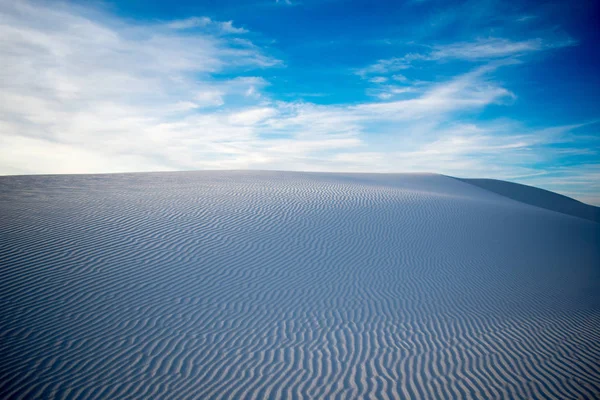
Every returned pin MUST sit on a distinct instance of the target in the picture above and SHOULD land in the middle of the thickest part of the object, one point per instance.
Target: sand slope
(539, 198)
(292, 285)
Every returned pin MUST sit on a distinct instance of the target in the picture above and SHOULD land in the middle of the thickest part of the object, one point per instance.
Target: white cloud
(252, 116)
(526, 18)
(192, 22)
(378, 79)
(81, 86)
(207, 23)
(482, 49)
(399, 78)
(228, 27)
(390, 65)
(485, 49)
(209, 97)
(468, 91)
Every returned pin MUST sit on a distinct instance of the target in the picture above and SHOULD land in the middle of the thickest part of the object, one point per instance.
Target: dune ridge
(255, 285)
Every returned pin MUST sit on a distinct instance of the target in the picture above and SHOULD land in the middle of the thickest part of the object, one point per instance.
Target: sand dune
(256, 285)
(539, 198)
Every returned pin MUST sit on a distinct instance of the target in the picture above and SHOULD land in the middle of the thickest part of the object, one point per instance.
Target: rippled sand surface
(243, 285)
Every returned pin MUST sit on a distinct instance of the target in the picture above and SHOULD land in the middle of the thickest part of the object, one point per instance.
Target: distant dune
(254, 285)
(539, 198)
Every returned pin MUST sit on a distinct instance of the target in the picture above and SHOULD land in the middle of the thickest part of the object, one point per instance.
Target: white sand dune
(539, 198)
(253, 285)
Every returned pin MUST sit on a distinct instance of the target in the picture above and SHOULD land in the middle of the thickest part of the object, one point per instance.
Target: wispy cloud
(465, 92)
(192, 22)
(206, 23)
(487, 49)
(525, 18)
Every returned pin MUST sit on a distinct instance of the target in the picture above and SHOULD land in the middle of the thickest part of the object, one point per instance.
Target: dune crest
(253, 285)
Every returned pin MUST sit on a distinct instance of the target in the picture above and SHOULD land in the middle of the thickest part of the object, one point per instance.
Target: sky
(474, 89)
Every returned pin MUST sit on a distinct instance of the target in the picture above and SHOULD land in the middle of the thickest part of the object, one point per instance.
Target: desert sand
(254, 285)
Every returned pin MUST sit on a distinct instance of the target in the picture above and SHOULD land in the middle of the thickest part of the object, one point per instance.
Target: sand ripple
(253, 285)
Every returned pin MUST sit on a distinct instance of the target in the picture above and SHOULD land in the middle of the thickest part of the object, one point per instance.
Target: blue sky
(469, 89)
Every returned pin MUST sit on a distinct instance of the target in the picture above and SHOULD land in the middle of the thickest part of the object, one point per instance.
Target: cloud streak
(479, 50)
(206, 23)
